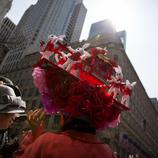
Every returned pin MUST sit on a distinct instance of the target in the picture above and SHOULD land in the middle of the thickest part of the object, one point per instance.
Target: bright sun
(118, 11)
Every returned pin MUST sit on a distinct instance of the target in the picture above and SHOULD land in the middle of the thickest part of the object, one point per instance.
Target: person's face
(6, 120)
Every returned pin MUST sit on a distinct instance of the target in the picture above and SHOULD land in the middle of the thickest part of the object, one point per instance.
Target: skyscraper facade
(6, 29)
(4, 8)
(73, 31)
(105, 27)
(44, 18)
(101, 27)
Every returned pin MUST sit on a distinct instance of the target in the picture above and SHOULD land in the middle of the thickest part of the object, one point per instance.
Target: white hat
(10, 99)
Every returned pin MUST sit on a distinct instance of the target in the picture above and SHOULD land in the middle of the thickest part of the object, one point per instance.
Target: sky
(140, 20)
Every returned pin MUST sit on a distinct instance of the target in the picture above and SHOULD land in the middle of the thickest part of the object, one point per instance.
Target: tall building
(73, 31)
(3, 51)
(6, 29)
(101, 27)
(5, 5)
(105, 27)
(44, 18)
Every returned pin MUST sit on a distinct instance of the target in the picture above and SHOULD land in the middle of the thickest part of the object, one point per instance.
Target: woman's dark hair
(79, 124)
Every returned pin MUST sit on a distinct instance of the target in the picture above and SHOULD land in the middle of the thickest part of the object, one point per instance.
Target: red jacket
(68, 144)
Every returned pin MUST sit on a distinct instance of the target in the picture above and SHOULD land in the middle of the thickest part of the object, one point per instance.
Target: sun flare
(118, 11)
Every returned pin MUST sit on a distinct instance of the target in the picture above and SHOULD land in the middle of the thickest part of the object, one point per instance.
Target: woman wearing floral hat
(85, 106)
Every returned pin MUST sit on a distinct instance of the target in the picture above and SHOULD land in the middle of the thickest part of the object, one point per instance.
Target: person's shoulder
(51, 140)
(47, 136)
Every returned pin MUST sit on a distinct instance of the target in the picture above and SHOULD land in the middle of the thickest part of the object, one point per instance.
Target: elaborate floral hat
(81, 83)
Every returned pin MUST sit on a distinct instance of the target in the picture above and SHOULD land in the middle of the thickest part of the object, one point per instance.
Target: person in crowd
(77, 138)
(11, 106)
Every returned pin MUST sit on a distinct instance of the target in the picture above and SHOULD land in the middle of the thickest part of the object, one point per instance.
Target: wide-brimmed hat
(10, 97)
(79, 87)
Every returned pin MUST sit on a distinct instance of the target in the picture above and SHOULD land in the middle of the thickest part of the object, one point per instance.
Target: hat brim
(13, 110)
